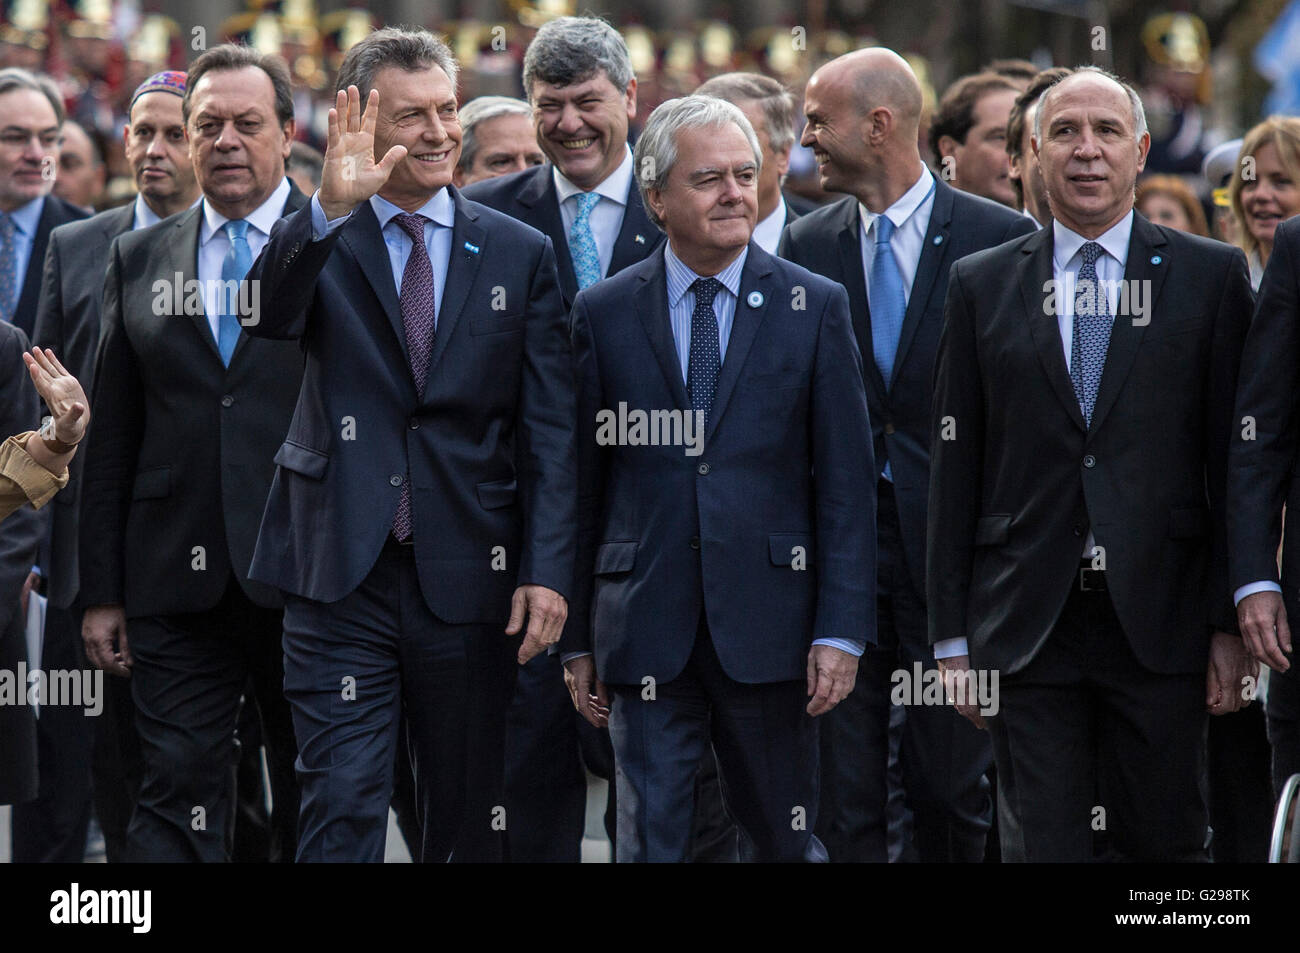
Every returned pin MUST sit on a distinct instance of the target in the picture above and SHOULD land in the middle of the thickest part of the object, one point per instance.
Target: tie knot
(1091, 251)
(412, 224)
(706, 289)
(237, 229)
(884, 229)
(586, 202)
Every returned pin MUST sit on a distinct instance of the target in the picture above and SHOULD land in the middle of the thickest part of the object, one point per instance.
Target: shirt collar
(907, 204)
(261, 218)
(28, 217)
(615, 187)
(681, 277)
(1066, 243)
(440, 209)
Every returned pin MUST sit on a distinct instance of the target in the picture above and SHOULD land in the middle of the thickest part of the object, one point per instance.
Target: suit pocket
(616, 557)
(303, 460)
(784, 548)
(495, 324)
(992, 530)
(497, 494)
(1189, 522)
(152, 484)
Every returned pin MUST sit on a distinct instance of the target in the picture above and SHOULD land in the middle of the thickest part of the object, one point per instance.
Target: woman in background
(1265, 188)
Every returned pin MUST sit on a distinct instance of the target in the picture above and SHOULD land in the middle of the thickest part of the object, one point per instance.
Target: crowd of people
(507, 441)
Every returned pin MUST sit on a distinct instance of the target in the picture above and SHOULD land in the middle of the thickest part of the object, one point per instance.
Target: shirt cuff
(570, 656)
(844, 645)
(319, 227)
(36, 482)
(950, 648)
(1251, 588)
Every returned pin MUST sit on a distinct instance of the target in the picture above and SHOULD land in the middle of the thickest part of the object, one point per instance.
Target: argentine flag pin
(755, 299)
(471, 248)
(938, 239)
(640, 239)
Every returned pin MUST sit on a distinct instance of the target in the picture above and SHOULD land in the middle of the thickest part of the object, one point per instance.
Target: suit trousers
(189, 675)
(352, 667)
(943, 757)
(1239, 787)
(766, 748)
(1284, 724)
(116, 766)
(1096, 742)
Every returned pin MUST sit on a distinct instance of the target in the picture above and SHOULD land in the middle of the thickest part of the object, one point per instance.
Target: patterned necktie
(8, 268)
(704, 361)
(417, 302)
(886, 299)
(1092, 322)
(582, 243)
(239, 258)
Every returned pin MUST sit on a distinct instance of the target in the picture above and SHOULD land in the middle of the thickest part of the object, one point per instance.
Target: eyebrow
(716, 170)
(28, 130)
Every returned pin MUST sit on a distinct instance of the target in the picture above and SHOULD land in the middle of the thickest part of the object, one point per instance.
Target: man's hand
(61, 392)
(350, 174)
(831, 674)
(952, 670)
(1225, 678)
(103, 631)
(546, 610)
(30, 583)
(1264, 629)
(579, 676)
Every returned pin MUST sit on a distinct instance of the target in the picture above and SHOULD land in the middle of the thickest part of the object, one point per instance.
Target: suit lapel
(754, 277)
(929, 268)
(183, 259)
(1146, 268)
(1034, 273)
(652, 309)
(855, 283)
(468, 246)
(637, 235)
(53, 214)
(364, 241)
(539, 195)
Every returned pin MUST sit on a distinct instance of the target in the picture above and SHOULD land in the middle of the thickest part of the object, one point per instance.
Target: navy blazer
(489, 449)
(54, 212)
(828, 241)
(743, 532)
(530, 197)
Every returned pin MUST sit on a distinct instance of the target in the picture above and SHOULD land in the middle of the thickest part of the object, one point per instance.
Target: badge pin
(938, 239)
(640, 239)
(1156, 259)
(471, 248)
(755, 299)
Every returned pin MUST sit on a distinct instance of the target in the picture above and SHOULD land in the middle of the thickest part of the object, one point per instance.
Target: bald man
(891, 242)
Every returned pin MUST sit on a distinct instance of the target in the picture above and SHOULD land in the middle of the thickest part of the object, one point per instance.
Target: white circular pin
(755, 299)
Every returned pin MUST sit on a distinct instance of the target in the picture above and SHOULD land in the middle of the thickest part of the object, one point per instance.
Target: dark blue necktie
(705, 360)
(1092, 322)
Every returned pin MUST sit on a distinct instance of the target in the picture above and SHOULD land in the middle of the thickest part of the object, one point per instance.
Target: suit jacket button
(695, 542)
(1089, 461)
(702, 469)
(227, 401)
(413, 424)
(395, 480)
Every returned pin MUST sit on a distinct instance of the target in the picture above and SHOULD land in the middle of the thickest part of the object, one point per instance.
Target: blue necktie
(233, 268)
(8, 268)
(582, 243)
(886, 299)
(705, 358)
(1092, 322)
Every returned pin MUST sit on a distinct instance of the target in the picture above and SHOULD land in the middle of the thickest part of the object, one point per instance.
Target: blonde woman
(1265, 189)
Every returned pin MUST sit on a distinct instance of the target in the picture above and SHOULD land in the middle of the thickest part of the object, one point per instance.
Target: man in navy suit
(426, 491)
(719, 581)
(891, 243)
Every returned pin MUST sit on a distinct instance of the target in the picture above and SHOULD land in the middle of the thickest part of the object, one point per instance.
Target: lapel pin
(755, 299)
(640, 239)
(1156, 259)
(471, 248)
(938, 239)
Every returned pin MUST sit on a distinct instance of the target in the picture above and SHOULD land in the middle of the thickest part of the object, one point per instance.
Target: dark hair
(570, 50)
(233, 56)
(1016, 70)
(1020, 115)
(955, 114)
(307, 158)
(398, 47)
(776, 101)
(14, 77)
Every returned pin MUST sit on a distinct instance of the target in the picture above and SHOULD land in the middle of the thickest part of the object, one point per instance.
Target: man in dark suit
(1261, 483)
(891, 244)
(427, 487)
(189, 415)
(1082, 411)
(68, 321)
(718, 584)
(579, 80)
(32, 112)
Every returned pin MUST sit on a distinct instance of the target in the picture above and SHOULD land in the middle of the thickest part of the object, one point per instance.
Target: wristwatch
(53, 443)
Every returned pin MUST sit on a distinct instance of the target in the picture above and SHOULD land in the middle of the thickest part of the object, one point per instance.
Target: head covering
(168, 81)
(1218, 167)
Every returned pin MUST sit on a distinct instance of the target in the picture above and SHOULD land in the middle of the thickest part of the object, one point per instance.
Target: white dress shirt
(214, 243)
(1066, 262)
(767, 233)
(606, 219)
(145, 216)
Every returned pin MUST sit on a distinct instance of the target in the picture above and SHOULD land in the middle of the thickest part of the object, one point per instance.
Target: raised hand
(351, 175)
(61, 392)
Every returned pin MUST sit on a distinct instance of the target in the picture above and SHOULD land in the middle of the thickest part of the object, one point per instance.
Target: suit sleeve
(1264, 432)
(547, 456)
(23, 530)
(1017, 229)
(956, 467)
(285, 274)
(844, 473)
(113, 446)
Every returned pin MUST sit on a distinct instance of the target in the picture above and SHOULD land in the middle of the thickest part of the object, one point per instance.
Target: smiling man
(1077, 540)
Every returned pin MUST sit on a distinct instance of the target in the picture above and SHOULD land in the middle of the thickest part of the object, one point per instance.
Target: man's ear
(654, 198)
(290, 128)
(783, 161)
(947, 146)
(1144, 147)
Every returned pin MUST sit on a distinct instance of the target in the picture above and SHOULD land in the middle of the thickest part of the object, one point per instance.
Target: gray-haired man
(497, 139)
